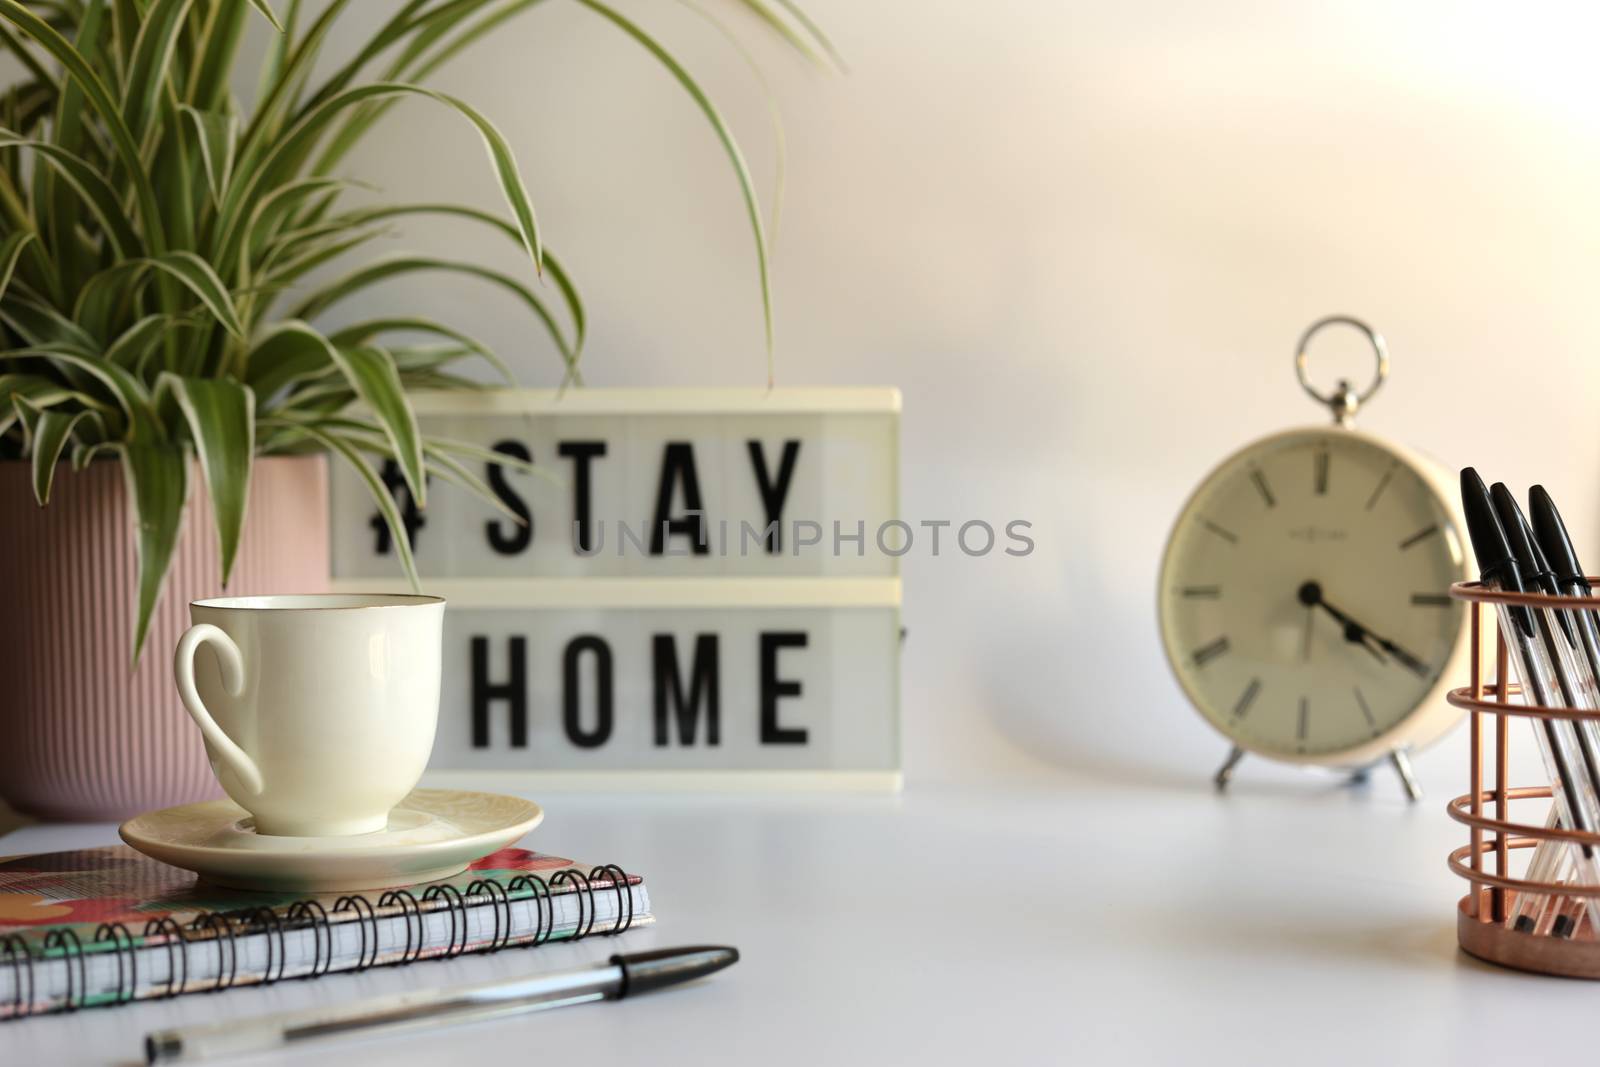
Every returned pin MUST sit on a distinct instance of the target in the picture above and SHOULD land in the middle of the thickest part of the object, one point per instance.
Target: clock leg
(1225, 772)
(1402, 767)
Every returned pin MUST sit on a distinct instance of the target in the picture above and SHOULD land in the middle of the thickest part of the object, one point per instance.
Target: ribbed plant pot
(83, 736)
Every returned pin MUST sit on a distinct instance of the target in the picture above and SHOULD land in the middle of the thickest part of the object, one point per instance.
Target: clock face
(1304, 598)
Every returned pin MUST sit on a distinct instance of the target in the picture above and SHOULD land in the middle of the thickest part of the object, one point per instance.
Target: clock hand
(1311, 597)
(1355, 633)
(1411, 662)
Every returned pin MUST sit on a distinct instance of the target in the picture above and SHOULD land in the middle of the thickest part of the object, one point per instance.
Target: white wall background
(1082, 238)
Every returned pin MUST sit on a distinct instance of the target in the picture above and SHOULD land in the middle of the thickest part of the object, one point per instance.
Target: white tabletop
(1059, 917)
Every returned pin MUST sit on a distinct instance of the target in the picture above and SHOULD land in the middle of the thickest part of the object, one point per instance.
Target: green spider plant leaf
(382, 269)
(28, 60)
(488, 455)
(422, 358)
(21, 392)
(108, 293)
(552, 266)
(83, 455)
(95, 192)
(277, 52)
(271, 209)
(569, 292)
(133, 346)
(380, 494)
(25, 415)
(371, 372)
(198, 277)
(174, 171)
(361, 332)
(815, 32)
(25, 106)
(129, 393)
(804, 43)
(215, 48)
(267, 13)
(317, 398)
(221, 415)
(40, 324)
(279, 273)
(39, 390)
(11, 251)
(50, 434)
(370, 438)
(70, 134)
(157, 478)
(452, 470)
(217, 136)
(147, 70)
(729, 144)
(433, 444)
(433, 380)
(289, 352)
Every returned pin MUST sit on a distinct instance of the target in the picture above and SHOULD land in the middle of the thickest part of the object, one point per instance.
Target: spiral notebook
(107, 925)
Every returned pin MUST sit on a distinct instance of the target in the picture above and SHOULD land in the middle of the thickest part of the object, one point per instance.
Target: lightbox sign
(705, 588)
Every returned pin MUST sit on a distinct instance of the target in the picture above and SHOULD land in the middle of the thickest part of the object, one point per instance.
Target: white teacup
(318, 711)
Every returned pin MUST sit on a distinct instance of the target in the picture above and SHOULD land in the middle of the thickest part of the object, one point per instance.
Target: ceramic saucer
(432, 833)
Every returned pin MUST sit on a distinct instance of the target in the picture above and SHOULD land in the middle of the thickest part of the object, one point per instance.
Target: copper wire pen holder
(1481, 915)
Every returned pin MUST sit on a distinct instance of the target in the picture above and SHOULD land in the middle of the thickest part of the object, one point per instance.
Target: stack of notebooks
(108, 925)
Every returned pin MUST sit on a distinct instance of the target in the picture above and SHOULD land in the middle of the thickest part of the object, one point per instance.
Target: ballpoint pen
(622, 976)
(1567, 579)
(1575, 684)
(1498, 569)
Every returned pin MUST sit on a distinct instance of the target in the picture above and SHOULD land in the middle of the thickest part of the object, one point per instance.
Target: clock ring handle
(1343, 400)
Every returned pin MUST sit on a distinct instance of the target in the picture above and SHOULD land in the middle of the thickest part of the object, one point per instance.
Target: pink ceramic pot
(81, 735)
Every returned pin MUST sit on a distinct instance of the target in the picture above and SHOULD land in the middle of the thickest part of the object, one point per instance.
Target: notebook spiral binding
(171, 933)
(222, 928)
(66, 941)
(117, 933)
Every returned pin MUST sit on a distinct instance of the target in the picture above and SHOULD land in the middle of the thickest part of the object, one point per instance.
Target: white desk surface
(1054, 920)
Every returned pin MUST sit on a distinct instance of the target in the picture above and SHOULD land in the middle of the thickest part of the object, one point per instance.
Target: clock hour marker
(1421, 535)
(1207, 653)
(1305, 713)
(1321, 476)
(1262, 488)
(1247, 698)
(1430, 600)
(1383, 484)
(1366, 712)
(1227, 535)
(1202, 592)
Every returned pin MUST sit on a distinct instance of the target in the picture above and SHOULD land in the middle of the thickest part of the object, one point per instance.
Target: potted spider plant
(168, 402)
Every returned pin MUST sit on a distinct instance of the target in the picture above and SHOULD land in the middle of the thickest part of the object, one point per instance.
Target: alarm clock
(1304, 592)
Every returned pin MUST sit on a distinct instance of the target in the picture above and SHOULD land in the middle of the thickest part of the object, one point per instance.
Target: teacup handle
(233, 678)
